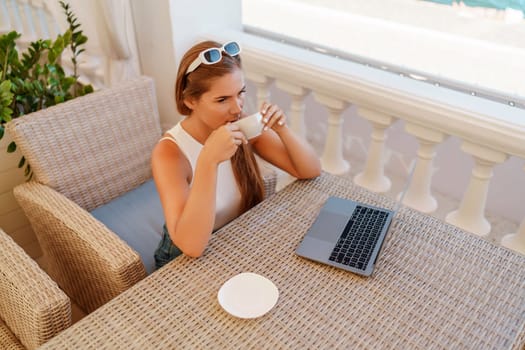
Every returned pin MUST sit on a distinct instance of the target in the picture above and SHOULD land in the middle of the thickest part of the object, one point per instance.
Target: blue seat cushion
(137, 218)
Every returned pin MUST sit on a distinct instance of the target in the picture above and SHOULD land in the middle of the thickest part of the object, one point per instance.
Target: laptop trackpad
(315, 249)
(328, 226)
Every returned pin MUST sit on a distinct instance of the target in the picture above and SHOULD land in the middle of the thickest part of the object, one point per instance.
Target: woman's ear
(190, 102)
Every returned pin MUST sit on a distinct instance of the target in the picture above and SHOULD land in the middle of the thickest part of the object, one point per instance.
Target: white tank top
(228, 196)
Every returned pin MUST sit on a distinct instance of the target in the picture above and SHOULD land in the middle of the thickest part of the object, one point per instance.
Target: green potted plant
(36, 79)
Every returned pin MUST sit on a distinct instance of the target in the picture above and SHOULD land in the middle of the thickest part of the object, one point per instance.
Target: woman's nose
(236, 106)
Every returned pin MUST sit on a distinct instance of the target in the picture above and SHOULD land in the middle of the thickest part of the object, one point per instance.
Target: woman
(204, 167)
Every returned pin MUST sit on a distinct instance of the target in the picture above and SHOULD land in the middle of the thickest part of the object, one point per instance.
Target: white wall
(157, 54)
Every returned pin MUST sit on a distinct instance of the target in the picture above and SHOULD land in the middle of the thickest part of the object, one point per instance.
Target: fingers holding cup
(237, 135)
(273, 116)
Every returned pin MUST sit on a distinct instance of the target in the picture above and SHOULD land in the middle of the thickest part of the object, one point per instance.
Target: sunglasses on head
(214, 55)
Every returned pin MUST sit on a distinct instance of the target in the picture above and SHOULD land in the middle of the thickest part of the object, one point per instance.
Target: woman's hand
(283, 148)
(223, 142)
(273, 117)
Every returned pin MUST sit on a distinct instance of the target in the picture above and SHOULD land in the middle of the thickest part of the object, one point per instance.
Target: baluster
(418, 195)
(262, 82)
(470, 215)
(332, 159)
(515, 241)
(5, 23)
(373, 177)
(298, 94)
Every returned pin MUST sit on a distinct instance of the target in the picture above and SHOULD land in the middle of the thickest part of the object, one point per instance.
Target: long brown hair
(196, 83)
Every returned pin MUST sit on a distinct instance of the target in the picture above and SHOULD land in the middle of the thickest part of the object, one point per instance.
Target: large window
(476, 48)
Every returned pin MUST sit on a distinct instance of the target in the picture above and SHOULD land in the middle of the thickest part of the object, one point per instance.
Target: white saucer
(248, 295)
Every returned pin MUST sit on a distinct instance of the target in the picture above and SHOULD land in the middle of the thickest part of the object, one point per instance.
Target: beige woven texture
(84, 153)
(32, 307)
(434, 287)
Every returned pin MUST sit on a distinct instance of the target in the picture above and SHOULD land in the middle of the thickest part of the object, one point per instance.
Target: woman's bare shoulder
(168, 157)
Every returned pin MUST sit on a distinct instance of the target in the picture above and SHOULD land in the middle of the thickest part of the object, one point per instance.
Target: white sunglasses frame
(202, 60)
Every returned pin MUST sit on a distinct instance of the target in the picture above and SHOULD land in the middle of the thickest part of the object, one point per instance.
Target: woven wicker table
(434, 287)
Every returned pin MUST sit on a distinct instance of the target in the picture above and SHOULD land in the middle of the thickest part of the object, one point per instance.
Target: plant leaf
(51, 56)
(6, 114)
(88, 89)
(5, 86)
(67, 37)
(59, 99)
(81, 40)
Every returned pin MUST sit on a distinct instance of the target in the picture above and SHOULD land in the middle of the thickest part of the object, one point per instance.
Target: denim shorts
(166, 250)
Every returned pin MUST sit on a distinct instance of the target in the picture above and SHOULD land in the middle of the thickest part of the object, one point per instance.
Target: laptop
(349, 234)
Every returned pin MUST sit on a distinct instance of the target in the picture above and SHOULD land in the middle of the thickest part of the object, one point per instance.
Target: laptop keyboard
(357, 242)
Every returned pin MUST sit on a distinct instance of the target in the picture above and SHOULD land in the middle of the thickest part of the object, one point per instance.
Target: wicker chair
(85, 153)
(32, 307)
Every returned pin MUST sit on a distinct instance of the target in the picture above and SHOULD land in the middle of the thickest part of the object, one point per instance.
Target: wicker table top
(434, 287)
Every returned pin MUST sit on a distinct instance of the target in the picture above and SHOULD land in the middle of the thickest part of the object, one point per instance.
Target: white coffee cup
(251, 126)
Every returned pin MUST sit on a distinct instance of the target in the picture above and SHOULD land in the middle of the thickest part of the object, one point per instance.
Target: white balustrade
(262, 83)
(437, 110)
(470, 215)
(298, 93)
(418, 195)
(373, 176)
(332, 159)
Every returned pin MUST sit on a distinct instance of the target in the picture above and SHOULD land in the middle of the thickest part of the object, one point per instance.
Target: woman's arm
(190, 210)
(281, 147)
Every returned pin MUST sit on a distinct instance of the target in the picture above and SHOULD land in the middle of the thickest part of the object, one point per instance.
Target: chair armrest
(90, 262)
(32, 305)
(7, 339)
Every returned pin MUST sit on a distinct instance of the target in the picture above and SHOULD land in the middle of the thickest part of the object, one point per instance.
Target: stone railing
(490, 132)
